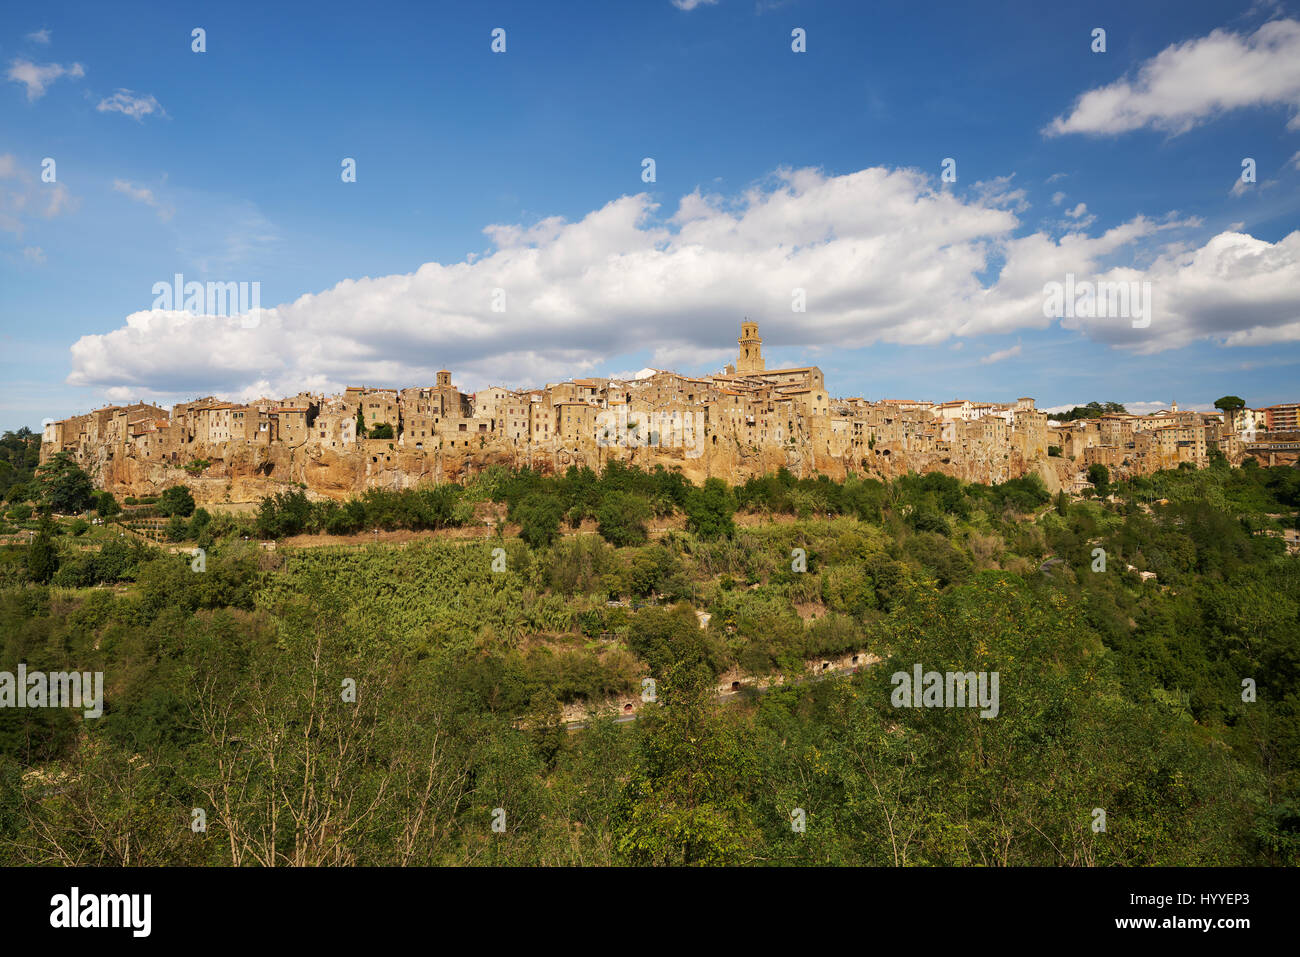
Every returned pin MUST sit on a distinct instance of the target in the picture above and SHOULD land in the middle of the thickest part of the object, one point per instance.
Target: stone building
(749, 412)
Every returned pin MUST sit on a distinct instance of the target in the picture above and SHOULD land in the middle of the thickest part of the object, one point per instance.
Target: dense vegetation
(19, 453)
(1090, 411)
(378, 703)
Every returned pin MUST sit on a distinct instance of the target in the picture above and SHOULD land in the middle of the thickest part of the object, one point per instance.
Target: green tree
(1230, 402)
(684, 804)
(177, 528)
(64, 487)
(539, 518)
(42, 554)
(106, 505)
(176, 501)
(621, 518)
(709, 510)
(1099, 476)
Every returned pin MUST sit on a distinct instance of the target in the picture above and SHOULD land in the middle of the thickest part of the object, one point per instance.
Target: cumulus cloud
(37, 77)
(998, 192)
(1077, 218)
(880, 255)
(39, 36)
(136, 107)
(1001, 354)
(1190, 83)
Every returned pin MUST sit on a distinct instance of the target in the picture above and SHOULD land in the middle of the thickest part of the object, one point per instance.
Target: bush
(1099, 476)
(114, 561)
(177, 528)
(539, 518)
(347, 519)
(709, 510)
(621, 519)
(925, 519)
(176, 501)
(106, 505)
(199, 523)
(78, 573)
(20, 512)
(42, 555)
(283, 514)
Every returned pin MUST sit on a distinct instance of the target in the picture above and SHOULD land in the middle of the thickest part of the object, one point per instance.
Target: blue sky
(522, 171)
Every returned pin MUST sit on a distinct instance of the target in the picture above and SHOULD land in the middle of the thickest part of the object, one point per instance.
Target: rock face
(240, 472)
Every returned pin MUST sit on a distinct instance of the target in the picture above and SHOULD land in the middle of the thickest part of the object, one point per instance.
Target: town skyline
(744, 421)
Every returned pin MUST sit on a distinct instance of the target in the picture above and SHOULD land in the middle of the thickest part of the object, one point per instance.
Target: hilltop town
(744, 421)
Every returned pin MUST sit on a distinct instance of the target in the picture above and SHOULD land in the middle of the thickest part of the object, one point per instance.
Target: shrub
(709, 510)
(42, 555)
(539, 518)
(177, 528)
(176, 501)
(621, 519)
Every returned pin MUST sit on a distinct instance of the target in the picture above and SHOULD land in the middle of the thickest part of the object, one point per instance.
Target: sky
(892, 202)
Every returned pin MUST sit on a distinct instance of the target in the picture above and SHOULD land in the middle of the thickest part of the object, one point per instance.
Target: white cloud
(136, 107)
(39, 36)
(998, 192)
(1058, 198)
(57, 200)
(883, 257)
(1001, 354)
(1149, 407)
(23, 197)
(630, 376)
(36, 78)
(1190, 83)
(143, 195)
(1080, 217)
(1144, 407)
(34, 254)
(692, 4)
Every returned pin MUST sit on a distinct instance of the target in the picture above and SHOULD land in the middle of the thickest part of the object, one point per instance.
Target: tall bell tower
(751, 349)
